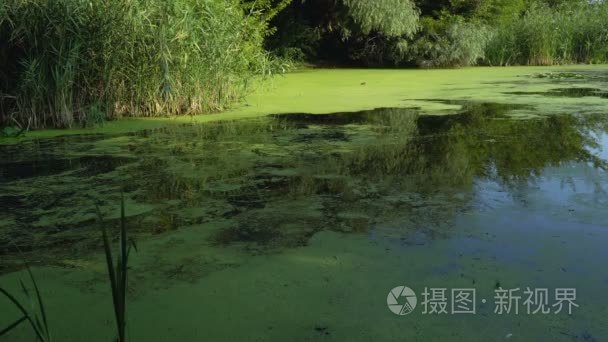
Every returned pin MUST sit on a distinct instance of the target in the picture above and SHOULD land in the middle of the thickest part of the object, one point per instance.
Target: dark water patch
(470, 115)
(63, 139)
(214, 131)
(8, 202)
(260, 233)
(248, 200)
(566, 92)
(279, 224)
(324, 119)
(248, 232)
(38, 148)
(388, 116)
(377, 116)
(274, 183)
(488, 109)
(86, 166)
(323, 135)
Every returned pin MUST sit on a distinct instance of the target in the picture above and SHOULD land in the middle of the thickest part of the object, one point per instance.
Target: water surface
(304, 222)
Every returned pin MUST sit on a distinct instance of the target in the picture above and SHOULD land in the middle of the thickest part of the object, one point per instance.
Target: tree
(391, 18)
(489, 11)
(338, 29)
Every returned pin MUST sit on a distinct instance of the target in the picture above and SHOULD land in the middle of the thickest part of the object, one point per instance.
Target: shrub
(451, 42)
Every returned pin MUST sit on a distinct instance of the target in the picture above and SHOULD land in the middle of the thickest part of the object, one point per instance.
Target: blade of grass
(41, 328)
(110, 266)
(24, 312)
(13, 326)
(123, 264)
(117, 272)
(40, 304)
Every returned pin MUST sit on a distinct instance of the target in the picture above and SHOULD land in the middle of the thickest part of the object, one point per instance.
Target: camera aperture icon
(401, 300)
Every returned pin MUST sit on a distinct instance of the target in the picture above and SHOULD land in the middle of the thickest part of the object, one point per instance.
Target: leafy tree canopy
(389, 17)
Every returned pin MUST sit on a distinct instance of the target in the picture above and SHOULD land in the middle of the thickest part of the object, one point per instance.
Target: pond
(295, 226)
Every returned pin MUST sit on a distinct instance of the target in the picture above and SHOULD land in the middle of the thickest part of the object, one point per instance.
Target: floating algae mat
(298, 226)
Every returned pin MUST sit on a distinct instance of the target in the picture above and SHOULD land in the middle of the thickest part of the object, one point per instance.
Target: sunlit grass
(64, 62)
(575, 33)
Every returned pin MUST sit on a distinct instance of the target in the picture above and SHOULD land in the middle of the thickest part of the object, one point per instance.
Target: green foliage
(499, 11)
(140, 57)
(66, 62)
(439, 33)
(379, 30)
(573, 33)
(487, 11)
(392, 18)
(449, 42)
(344, 30)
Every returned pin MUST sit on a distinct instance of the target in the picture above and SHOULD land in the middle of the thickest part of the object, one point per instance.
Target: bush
(68, 61)
(451, 42)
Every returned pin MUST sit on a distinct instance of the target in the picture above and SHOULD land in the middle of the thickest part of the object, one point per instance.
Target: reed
(117, 271)
(573, 33)
(35, 314)
(66, 62)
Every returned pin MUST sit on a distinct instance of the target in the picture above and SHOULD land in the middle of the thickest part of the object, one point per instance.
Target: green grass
(552, 35)
(67, 62)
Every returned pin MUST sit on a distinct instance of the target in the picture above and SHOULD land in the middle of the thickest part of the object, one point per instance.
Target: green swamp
(294, 216)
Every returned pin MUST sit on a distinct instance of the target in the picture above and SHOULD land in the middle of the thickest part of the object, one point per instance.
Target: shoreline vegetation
(67, 63)
(322, 91)
(74, 64)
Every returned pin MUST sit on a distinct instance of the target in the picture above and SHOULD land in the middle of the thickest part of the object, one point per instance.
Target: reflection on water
(273, 182)
(566, 92)
(44, 167)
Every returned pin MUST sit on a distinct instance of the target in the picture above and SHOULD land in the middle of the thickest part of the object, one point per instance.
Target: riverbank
(339, 90)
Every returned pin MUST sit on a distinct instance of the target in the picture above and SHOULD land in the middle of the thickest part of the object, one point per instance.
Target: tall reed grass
(36, 315)
(574, 33)
(75, 61)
